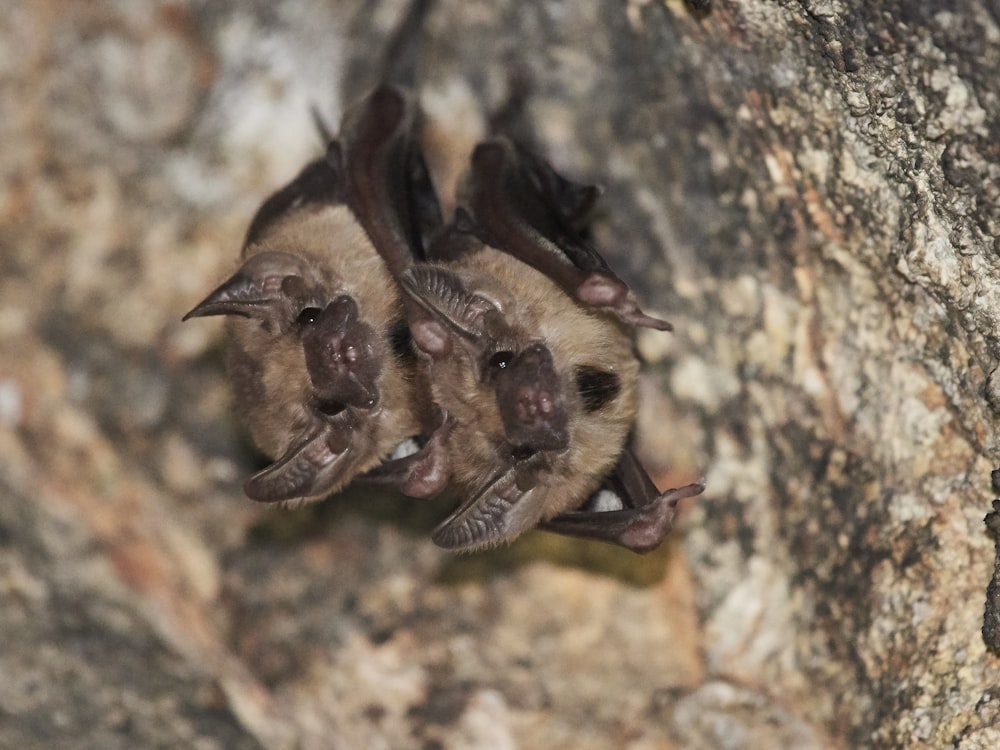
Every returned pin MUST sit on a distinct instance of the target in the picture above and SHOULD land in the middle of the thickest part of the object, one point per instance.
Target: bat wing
(321, 182)
(520, 204)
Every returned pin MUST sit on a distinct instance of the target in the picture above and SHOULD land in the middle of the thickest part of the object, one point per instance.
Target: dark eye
(500, 360)
(597, 387)
(308, 316)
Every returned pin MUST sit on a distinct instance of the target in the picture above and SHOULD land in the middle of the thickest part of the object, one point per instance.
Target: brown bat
(323, 372)
(524, 328)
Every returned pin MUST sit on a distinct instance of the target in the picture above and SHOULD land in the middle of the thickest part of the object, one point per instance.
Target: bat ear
(449, 309)
(312, 468)
(258, 290)
(507, 507)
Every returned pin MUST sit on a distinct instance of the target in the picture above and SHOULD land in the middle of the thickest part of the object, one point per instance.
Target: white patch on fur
(607, 500)
(406, 448)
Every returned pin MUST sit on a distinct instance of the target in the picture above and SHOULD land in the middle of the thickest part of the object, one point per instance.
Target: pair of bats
(370, 339)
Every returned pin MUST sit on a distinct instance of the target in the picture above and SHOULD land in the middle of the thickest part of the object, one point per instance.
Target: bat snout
(341, 356)
(529, 396)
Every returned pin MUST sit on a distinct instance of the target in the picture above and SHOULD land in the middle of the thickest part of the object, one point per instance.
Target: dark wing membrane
(388, 185)
(320, 182)
(521, 205)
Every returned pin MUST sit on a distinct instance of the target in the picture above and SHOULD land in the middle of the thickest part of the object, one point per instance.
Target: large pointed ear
(268, 287)
(313, 467)
(388, 185)
(521, 205)
(443, 309)
(508, 506)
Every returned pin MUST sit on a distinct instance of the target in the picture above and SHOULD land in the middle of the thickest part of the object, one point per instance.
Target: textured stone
(808, 191)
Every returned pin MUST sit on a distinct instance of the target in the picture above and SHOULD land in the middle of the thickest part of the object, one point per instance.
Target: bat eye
(308, 316)
(597, 387)
(500, 360)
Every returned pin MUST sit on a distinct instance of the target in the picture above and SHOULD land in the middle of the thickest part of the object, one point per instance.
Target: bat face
(541, 390)
(313, 320)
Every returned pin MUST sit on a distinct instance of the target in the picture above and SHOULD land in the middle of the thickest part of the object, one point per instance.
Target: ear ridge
(255, 290)
(442, 293)
(309, 470)
(500, 512)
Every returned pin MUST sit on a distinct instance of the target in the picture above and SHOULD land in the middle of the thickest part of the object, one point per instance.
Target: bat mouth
(330, 407)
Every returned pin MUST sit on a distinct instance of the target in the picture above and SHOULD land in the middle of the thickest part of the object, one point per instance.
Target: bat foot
(651, 523)
(640, 529)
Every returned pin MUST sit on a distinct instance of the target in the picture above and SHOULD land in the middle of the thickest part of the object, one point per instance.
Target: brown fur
(576, 336)
(268, 370)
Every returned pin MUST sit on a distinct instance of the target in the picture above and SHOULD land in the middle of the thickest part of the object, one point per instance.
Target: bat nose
(529, 396)
(341, 358)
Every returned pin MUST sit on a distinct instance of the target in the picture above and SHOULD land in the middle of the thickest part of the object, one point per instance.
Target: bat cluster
(369, 339)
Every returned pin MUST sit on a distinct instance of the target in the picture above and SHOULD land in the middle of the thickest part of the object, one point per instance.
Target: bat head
(307, 362)
(290, 300)
(542, 391)
(508, 369)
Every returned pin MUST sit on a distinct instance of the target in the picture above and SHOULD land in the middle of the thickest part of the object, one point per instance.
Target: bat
(525, 332)
(323, 371)
(503, 344)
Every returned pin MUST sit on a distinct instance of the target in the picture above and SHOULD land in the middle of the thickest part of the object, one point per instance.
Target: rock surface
(809, 191)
